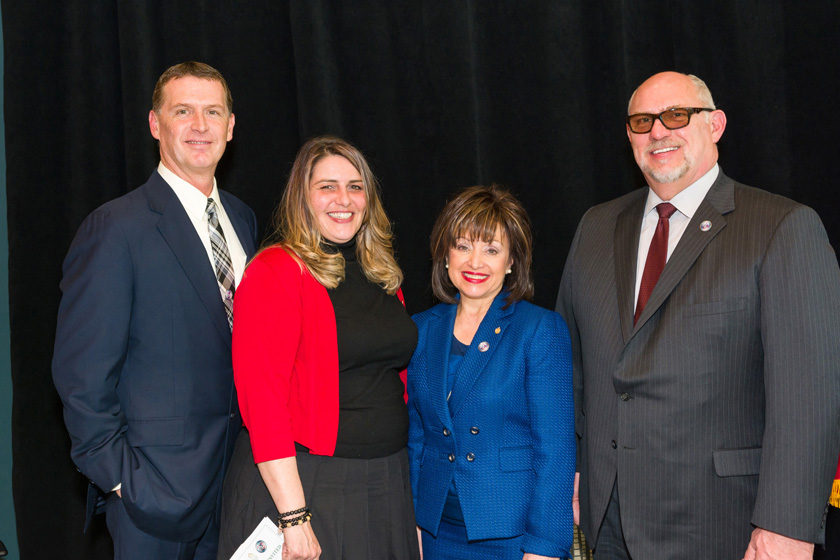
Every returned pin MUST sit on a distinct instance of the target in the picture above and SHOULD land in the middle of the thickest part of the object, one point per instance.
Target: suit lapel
(484, 345)
(440, 339)
(626, 247)
(719, 200)
(178, 232)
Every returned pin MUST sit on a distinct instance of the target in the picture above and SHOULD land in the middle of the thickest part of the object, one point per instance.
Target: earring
(446, 265)
(508, 271)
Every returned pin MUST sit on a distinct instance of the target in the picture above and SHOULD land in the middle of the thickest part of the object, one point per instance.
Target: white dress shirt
(195, 203)
(686, 202)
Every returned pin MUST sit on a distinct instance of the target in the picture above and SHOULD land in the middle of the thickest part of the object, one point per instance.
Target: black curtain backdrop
(439, 95)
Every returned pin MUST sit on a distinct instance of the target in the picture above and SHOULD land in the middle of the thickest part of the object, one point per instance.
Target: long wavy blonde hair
(295, 226)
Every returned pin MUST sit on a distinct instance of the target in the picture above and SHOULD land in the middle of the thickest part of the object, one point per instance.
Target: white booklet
(265, 543)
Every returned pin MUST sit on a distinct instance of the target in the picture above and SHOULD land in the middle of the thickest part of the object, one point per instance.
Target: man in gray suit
(706, 352)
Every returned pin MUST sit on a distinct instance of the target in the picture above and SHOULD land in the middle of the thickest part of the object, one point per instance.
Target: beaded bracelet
(286, 523)
(290, 513)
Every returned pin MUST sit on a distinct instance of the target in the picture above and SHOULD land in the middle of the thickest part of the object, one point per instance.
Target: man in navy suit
(142, 355)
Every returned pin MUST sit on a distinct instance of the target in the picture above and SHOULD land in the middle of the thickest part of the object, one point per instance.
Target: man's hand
(766, 545)
(576, 501)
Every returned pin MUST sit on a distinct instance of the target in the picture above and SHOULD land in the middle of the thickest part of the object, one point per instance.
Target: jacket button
(624, 397)
(451, 457)
(614, 444)
(471, 457)
(446, 432)
(474, 430)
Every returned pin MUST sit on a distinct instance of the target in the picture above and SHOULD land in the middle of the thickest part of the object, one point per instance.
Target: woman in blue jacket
(491, 433)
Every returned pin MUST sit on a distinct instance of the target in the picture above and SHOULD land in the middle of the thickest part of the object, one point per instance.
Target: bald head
(700, 86)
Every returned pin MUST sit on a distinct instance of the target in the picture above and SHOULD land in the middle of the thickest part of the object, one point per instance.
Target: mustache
(666, 143)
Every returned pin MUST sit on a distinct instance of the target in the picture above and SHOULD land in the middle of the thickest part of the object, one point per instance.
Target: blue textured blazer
(142, 359)
(507, 433)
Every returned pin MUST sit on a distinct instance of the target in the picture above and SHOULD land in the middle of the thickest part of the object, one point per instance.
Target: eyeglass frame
(690, 110)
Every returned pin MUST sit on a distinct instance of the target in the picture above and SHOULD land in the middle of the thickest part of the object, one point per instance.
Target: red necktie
(657, 254)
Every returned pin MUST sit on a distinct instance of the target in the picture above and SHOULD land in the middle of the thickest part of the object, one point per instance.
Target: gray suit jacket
(719, 408)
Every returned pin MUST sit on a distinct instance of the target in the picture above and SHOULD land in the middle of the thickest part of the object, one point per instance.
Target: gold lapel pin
(498, 330)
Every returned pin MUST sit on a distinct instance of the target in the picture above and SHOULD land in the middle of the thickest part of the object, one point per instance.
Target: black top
(376, 339)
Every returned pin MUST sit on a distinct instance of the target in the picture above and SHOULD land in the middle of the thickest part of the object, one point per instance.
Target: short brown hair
(477, 213)
(194, 69)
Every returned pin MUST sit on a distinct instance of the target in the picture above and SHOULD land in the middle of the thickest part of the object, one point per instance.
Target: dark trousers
(831, 551)
(130, 543)
(611, 545)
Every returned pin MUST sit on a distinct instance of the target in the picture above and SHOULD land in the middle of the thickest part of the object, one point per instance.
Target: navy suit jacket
(506, 435)
(142, 359)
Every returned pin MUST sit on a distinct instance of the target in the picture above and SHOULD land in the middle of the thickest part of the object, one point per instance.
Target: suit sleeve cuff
(542, 547)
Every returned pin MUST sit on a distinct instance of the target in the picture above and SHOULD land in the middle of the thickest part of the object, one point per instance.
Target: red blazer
(285, 358)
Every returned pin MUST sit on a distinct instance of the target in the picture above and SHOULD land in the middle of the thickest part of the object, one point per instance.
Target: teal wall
(8, 531)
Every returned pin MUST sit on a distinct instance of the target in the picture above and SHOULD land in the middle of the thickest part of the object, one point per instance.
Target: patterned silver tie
(221, 259)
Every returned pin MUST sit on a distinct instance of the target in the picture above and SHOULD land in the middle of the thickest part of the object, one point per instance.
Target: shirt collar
(688, 200)
(192, 199)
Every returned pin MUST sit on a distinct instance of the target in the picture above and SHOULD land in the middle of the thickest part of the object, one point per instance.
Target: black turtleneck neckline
(347, 250)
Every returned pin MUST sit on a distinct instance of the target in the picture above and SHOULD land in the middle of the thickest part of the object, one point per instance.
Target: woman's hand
(300, 543)
(283, 483)
(420, 540)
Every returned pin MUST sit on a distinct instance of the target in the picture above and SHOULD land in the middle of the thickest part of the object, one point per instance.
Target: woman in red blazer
(320, 338)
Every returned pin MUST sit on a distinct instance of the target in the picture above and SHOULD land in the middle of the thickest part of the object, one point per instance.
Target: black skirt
(361, 508)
